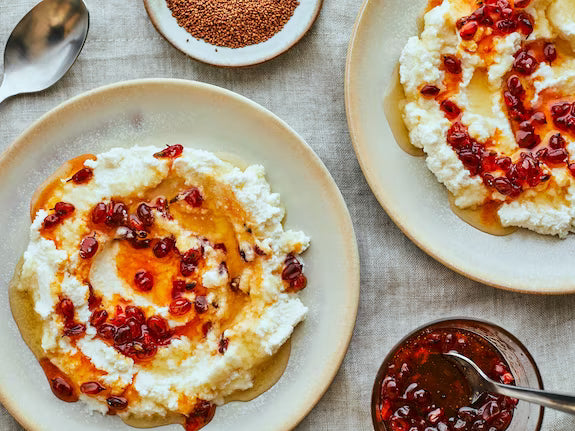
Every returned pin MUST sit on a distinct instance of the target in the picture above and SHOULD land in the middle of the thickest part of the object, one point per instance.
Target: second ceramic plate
(414, 199)
(201, 116)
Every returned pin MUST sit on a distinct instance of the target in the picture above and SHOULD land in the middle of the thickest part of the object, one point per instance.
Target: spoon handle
(563, 402)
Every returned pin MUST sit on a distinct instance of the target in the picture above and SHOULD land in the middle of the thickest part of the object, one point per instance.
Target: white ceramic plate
(298, 25)
(413, 198)
(201, 116)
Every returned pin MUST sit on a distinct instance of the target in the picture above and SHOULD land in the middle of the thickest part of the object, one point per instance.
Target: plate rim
(366, 165)
(242, 64)
(353, 291)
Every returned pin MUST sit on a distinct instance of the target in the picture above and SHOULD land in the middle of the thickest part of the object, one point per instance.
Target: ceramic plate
(413, 198)
(298, 25)
(200, 116)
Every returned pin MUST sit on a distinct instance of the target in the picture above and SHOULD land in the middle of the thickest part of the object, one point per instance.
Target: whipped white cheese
(184, 368)
(421, 64)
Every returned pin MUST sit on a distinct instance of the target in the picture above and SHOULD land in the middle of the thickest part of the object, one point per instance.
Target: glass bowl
(527, 417)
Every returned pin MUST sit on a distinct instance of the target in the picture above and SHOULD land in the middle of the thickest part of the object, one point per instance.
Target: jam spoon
(480, 384)
(43, 46)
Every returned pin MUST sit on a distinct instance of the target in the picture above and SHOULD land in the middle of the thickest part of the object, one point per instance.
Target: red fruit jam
(422, 390)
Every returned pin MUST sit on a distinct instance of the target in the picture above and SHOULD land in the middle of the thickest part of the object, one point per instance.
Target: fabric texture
(401, 287)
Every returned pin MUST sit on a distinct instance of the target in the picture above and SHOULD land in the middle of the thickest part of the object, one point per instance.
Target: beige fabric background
(401, 286)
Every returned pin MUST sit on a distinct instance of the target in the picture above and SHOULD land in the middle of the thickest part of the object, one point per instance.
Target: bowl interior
(527, 417)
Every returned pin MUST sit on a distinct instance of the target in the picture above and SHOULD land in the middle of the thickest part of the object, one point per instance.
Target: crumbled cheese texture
(545, 209)
(187, 368)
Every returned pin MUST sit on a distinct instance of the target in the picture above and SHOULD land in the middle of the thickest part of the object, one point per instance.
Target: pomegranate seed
(194, 197)
(389, 388)
(451, 110)
(91, 388)
(63, 209)
(511, 100)
(135, 223)
(506, 26)
(192, 256)
(98, 317)
(293, 268)
(557, 141)
(527, 139)
(525, 63)
(488, 180)
(88, 247)
(61, 388)
(504, 163)
(180, 306)
(170, 152)
(144, 280)
(164, 247)
(560, 109)
(502, 421)
(50, 221)
(299, 283)
(524, 23)
(539, 118)
(206, 328)
(187, 269)
(223, 345)
(435, 416)
(556, 156)
(201, 304)
(452, 64)
(461, 22)
(158, 327)
(468, 30)
(550, 52)
(526, 126)
(123, 335)
(74, 330)
(457, 135)
(117, 403)
(82, 176)
(514, 85)
(145, 351)
(135, 328)
(118, 214)
(66, 308)
(178, 288)
(503, 186)
(521, 3)
(429, 90)
(572, 168)
(135, 313)
(145, 214)
(107, 331)
(99, 213)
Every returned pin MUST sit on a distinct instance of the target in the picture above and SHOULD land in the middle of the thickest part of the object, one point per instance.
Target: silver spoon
(480, 384)
(43, 46)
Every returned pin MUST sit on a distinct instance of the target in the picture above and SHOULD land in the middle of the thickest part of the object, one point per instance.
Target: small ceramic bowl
(297, 26)
(526, 417)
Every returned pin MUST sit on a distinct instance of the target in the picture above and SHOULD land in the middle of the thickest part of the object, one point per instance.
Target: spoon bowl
(43, 46)
(481, 384)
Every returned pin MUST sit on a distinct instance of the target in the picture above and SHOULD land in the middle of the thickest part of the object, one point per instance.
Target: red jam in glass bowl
(421, 390)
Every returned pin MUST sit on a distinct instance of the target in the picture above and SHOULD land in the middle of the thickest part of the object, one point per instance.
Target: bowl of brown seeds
(233, 33)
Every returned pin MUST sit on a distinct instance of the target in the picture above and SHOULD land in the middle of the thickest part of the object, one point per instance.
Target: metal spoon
(43, 46)
(480, 384)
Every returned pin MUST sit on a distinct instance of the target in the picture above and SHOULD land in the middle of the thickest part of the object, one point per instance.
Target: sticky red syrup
(423, 390)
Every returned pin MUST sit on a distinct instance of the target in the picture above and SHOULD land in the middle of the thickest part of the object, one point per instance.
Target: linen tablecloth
(401, 287)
